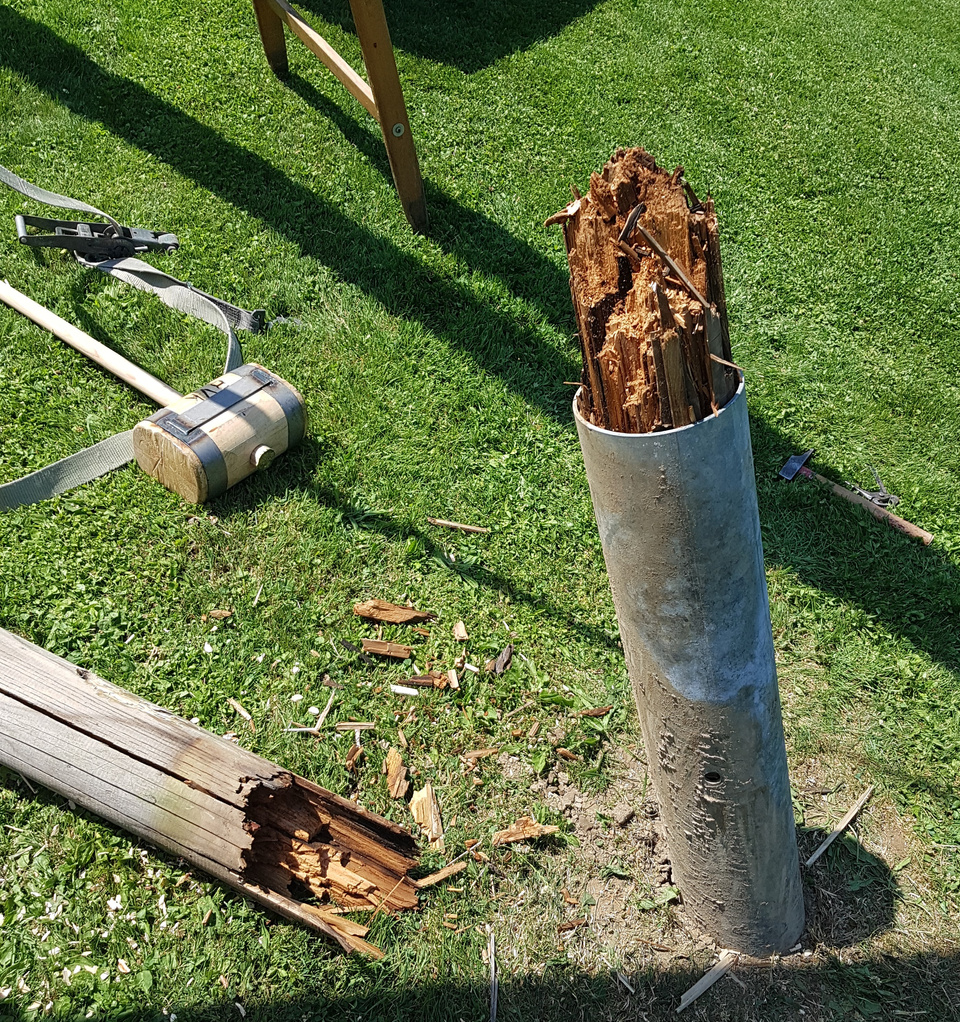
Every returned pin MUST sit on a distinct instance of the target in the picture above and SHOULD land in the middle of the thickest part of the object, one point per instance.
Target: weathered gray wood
(196, 795)
(91, 705)
(172, 814)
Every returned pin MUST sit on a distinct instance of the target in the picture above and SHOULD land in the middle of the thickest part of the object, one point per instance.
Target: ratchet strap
(117, 450)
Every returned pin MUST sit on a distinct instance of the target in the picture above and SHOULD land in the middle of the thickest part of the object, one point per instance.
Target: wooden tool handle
(878, 512)
(138, 378)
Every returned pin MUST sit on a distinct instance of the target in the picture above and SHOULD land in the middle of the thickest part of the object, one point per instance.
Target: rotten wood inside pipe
(647, 288)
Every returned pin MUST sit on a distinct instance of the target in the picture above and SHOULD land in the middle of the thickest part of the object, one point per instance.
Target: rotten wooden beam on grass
(263, 830)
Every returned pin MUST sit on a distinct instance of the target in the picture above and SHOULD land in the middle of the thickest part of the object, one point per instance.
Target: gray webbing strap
(69, 472)
(31, 191)
(180, 295)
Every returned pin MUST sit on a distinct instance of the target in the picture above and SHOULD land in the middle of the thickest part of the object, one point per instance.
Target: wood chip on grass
(442, 874)
(597, 711)
(443, 523)
(394, 650)
(501, 663)
(524, 829)
(354, 755)
(432, 679)
(474, 755)
(426, 811)
(243, 713)
(397, 782)
(391, 613)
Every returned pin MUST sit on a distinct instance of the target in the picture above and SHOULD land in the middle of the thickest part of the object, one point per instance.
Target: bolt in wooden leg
(384, 82)
(271, 33)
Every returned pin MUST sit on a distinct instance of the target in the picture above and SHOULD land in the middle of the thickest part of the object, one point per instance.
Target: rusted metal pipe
(680, 529)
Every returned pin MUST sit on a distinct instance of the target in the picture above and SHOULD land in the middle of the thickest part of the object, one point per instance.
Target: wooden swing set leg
(271, 35)
(374, 36)
(381, 94)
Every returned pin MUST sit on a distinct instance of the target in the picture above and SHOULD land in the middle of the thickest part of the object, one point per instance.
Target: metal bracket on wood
(381, 96)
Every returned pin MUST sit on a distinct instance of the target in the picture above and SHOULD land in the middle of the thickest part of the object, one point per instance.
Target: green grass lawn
(434, 373)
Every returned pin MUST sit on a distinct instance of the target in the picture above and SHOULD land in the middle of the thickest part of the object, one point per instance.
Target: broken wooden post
(662, 421)
(266, 832)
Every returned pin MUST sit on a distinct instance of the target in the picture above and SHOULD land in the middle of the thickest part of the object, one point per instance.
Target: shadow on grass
(914, 592)
(403, 285)
(297, 467)
(850, 895)
(876, 987)
(482, 244)
(465, 34)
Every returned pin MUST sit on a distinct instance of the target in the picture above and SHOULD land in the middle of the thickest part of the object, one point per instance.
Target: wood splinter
(391, 613)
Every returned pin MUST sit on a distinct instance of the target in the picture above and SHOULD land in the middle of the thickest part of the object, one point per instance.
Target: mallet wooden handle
(138, 378)
(878, 512)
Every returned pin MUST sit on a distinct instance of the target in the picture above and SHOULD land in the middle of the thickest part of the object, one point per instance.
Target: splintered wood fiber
(647, 288)
(307, 839)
